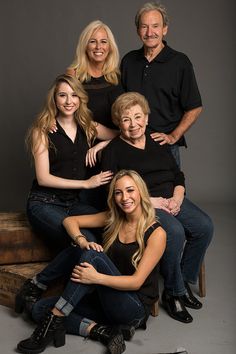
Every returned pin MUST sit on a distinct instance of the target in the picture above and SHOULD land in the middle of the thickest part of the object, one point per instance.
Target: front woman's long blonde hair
(117, 216)
(81, 62)
(40, 128)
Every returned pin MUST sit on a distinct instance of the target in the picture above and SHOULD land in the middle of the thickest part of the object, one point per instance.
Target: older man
(165, 77)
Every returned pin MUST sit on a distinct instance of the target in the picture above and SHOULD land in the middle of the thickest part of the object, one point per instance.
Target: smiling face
(151, 29)
(127, 195)
(66, 99)
(133, 124)
(98, 46)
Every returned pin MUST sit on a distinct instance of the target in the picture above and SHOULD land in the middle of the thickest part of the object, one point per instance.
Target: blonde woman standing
(96, 66)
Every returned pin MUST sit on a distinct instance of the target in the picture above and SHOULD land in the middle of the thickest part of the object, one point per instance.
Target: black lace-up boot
(127, 331)
(51, 329)
(110, 336)
(28, 294)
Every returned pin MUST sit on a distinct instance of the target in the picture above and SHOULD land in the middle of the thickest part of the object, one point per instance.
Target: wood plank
(13, 276)
(18, 242)
(155, 309)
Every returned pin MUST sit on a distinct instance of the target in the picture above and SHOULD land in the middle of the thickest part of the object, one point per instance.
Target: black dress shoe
(175, 308)
(189, 300)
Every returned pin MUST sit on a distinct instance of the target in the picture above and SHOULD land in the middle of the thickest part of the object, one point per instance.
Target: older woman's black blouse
(155, 164)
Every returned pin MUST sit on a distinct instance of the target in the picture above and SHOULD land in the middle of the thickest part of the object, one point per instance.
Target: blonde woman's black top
(102, 95)
(121, 255)
(66, 160)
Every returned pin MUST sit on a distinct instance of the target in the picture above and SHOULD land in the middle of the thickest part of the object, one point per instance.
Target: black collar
(165, 54)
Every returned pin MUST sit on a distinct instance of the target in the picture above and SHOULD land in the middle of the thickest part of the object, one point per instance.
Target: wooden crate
(18, 243)
(13, 276)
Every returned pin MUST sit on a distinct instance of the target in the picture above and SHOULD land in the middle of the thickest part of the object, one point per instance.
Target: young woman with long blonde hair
(59, 159)
(124, 277)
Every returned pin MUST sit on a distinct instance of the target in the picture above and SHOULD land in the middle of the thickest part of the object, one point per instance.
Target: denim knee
(88, 255)
(206, 228)
(175, 237)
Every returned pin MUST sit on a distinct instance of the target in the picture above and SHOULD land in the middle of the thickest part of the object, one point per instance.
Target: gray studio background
(38, 41)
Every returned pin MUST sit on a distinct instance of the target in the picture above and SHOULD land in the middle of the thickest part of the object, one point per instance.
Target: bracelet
(75, 238)
(75, 242)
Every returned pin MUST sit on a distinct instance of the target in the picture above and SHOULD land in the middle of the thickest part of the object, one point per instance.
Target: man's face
(151, 30)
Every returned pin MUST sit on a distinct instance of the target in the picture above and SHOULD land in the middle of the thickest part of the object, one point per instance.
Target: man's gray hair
(150, 6)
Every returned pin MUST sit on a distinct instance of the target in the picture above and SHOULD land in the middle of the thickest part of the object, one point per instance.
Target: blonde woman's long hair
(40, 128)
(81, 62)
(117, 216)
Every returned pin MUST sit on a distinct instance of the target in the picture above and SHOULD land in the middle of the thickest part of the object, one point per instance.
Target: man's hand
(163, 138)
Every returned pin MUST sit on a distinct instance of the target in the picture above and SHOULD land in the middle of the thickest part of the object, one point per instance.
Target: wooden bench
(22, 255)
(18, 242)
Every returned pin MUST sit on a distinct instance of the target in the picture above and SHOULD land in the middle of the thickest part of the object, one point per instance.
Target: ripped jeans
(83, 304)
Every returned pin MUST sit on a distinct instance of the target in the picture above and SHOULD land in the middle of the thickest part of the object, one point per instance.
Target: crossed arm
(85, 273)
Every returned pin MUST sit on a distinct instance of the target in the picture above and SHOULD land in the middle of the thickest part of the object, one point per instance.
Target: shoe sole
(116, 345)
(28, 351)
(127, 331)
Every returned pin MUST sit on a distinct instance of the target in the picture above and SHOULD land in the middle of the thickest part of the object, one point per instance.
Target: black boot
(51, 329)
(175, 308)
(110, 336)
(28, 294)
(127, 331)
(189, 300)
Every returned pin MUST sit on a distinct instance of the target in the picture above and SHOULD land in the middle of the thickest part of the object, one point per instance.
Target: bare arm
(178, 194)
(45, 178)
(73, 224)
(174, 203)
(86, 273)
(92, 153)
(105, 133)
(186, 122)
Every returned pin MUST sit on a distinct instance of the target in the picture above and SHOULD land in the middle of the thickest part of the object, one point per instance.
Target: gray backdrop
(38, 41)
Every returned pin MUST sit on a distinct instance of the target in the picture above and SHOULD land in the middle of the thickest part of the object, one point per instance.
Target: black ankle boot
(175, 308)
(28, 294)
(189, 300)
(110, 336)
(127, 331)
(51, 329)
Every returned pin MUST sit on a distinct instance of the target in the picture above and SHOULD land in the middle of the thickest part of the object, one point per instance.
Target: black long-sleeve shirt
(155, 164)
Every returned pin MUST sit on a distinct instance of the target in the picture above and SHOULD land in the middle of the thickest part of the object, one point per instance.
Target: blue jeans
(46, 213)
(114, 306)
(61, 266)
(188, 236)
(176, 153)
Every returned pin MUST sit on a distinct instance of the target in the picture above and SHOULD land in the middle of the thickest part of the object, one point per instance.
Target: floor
(211, 332)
